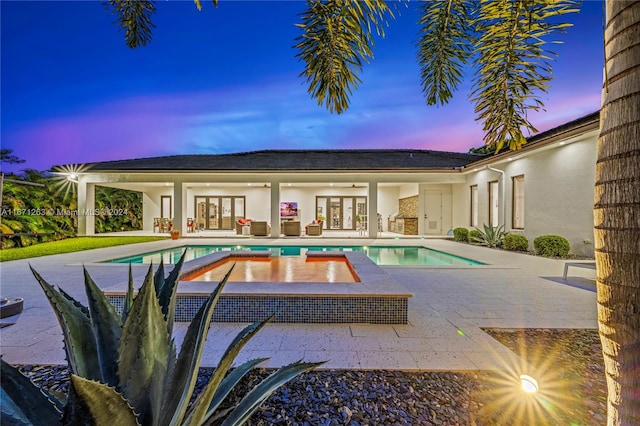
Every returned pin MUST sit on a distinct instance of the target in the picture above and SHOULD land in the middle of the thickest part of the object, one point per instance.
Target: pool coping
(376, 299)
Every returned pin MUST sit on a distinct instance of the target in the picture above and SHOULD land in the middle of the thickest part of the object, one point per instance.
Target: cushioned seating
(240, 223)
(259, 228)
(291, 228)
(314, 229)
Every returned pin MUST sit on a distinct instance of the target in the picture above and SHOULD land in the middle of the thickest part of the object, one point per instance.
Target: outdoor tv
(288, 209)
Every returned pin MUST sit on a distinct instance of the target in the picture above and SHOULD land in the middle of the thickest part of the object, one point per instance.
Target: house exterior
(544, 188)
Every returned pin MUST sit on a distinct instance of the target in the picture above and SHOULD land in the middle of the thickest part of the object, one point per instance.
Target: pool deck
(450, 307)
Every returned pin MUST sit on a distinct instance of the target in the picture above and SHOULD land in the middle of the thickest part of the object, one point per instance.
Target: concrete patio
(450, 307)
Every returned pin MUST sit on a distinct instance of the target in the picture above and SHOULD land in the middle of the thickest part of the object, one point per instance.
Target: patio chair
(291, 228)
(260, 229)
(314, 229)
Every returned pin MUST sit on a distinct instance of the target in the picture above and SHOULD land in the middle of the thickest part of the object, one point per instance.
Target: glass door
(238, 211)
(348, 221)
(201, 213)
(213, 211)
(343, 213)
(335, 209)
(218, 212)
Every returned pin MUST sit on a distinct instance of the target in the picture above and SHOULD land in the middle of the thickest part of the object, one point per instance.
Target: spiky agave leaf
(79, 341)
(183, 380)
(107, 330)
(95, 403)
(21, 399)
(144, 353)
(128, 300)
(250, 403)
(229, 382)
(200, 407)
(166, 292)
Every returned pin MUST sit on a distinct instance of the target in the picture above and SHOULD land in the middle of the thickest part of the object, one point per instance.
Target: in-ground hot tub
(375, 297)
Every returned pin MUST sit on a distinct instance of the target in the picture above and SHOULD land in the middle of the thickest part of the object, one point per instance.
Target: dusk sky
(226, 80)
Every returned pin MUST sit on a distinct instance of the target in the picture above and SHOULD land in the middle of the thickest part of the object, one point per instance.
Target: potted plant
(175, 234)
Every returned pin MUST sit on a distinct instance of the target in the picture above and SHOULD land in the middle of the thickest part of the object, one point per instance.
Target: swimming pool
(380, 255)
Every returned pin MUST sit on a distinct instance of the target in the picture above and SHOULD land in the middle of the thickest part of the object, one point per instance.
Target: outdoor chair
(260, 229)
(291, 228)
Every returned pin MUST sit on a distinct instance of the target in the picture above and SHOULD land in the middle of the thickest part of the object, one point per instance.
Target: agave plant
(125, 369)
(490, 237)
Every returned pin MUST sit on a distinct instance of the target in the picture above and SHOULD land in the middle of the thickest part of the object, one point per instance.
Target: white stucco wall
(558, 185)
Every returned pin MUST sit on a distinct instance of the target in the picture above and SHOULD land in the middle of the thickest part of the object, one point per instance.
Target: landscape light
(529, 384)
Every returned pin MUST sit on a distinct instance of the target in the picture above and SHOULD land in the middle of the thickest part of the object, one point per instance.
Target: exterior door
(218, 212)
(432, 213)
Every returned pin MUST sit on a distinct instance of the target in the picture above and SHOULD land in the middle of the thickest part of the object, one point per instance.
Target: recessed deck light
(528, 383)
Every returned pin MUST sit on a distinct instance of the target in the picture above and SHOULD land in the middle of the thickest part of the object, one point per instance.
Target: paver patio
(450, 307)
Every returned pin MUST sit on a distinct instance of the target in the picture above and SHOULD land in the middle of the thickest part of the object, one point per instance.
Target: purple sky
(226, 80)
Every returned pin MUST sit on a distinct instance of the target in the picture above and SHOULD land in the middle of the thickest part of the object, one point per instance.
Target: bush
(490, 237)
(461, 234)
(474, 235)
(514, 242)
(551, 246)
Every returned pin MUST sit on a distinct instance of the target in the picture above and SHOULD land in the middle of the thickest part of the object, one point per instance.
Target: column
(372, 212)
(275, 209)
(179, 202)
(86, 207)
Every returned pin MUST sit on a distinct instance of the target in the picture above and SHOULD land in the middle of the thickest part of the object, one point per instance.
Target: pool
(380, 255)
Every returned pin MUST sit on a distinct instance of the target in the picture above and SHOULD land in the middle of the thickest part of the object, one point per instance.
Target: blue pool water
(381, 255)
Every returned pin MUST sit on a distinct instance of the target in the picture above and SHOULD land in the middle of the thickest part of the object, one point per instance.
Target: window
(518, 202)
(494, 203)
(474, 205)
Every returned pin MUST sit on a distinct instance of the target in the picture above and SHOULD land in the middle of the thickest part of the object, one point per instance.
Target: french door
(342, 213)
(218, 212)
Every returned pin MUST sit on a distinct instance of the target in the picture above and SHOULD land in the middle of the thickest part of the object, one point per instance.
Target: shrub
(515, 242)
(474, 235)
(490, 237)
(125, 369)
(461, 234)
(551, 246)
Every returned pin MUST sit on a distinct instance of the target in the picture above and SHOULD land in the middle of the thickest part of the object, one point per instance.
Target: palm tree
(505, 41)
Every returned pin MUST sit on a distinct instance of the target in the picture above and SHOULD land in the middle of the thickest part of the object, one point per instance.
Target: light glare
(529, 384)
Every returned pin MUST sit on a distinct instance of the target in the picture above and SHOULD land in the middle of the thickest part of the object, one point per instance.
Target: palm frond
(513, 65)
(445, 46)
(336, 40)
(134, 18)
(199, 3)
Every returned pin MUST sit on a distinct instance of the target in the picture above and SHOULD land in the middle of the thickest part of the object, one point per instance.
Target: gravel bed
(573, 389)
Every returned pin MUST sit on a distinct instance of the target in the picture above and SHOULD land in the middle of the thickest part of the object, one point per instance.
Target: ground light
(529, 384)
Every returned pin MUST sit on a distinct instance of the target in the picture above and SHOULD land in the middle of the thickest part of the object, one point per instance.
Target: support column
(372, 212)
(179, 203)
(86, 208)
(275, 209)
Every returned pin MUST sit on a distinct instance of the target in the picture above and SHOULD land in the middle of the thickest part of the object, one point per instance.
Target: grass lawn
(70, 245)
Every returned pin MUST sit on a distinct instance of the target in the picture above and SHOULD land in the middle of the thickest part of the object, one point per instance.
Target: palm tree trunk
(617, 212)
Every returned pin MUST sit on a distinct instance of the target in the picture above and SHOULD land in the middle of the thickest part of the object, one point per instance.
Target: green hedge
(551, 246)
(461, 234)
(515, 242)
(473, 234)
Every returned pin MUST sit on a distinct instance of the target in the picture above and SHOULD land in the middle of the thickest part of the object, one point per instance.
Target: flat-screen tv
(288, 209)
